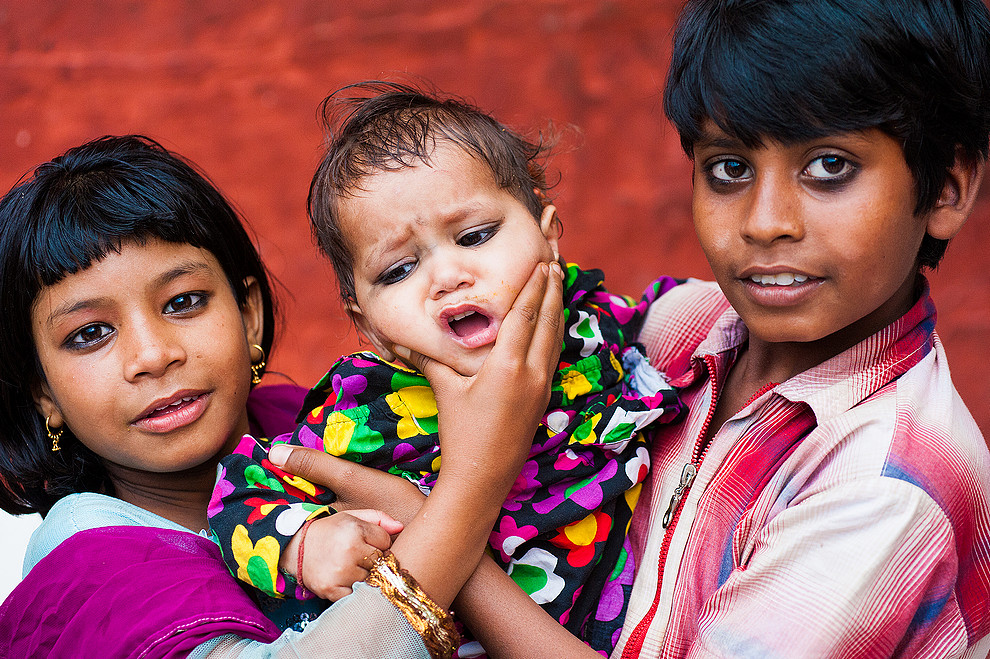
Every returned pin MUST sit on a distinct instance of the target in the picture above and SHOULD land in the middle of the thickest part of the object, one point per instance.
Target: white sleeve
(363, 625)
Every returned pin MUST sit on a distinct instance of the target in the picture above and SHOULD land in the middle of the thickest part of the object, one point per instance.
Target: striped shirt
(842, 513)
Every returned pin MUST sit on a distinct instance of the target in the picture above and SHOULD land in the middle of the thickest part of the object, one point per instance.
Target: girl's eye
(89, 335)
(185, 302)
(729, 170)
(396, 273)
(829, 167)
(477, 236)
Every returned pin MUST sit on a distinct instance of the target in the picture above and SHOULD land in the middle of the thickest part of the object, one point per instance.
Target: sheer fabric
(363, 625)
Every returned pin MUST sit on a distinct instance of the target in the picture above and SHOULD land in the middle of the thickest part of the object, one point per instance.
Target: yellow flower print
(338, 433)
(616, 365)
(256, 564)
(417, 410)
(582, 532)
(585, 433)
(574, 384)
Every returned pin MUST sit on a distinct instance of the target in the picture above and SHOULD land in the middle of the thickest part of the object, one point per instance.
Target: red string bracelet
(299, 559)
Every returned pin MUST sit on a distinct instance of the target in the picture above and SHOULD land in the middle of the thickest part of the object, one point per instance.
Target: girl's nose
(153, 348)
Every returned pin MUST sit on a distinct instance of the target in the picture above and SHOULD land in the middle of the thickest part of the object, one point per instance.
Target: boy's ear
(955, 203)
(253, 312)
(361, 322)
(550, 226)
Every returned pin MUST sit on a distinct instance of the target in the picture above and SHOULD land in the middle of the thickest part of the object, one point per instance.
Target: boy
(828, 493)
(434, 215)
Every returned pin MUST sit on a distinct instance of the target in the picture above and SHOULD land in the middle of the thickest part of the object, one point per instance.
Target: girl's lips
(168, 414)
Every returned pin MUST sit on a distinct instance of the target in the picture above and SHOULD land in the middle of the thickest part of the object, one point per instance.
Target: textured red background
(234, 86)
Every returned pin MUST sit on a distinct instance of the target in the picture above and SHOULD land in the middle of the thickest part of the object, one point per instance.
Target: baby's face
(440, 253)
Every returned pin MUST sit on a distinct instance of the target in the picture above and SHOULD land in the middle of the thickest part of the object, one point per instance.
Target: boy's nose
(774, 213)
(151, 351)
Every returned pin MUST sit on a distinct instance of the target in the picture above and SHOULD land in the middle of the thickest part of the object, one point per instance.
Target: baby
(434, 216)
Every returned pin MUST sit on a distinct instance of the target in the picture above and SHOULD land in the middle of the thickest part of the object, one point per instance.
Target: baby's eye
(396, 273)
(89, 335)
(185, 302)
(829, 167)
(477, 237)
(729, 170)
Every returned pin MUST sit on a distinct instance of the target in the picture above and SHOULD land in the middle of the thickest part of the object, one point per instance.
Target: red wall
(234, 86)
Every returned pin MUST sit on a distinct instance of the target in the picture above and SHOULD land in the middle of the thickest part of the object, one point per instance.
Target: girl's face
(146, 356)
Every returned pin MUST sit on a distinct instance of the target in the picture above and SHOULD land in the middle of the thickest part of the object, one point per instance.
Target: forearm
(462, 512)
(510, 624)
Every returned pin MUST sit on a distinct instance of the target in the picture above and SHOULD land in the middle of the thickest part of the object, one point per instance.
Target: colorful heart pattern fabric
(561, 534)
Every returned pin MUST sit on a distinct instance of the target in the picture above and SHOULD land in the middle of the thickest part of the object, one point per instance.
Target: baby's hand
(340, 550)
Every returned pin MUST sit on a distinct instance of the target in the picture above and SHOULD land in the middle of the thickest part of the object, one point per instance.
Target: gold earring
(258, 367)
(54, 436)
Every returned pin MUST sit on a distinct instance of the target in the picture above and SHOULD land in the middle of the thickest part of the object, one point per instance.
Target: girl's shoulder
(83, 511)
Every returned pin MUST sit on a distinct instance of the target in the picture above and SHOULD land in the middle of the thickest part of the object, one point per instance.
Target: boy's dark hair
(68, 214)
(379, 126)
(793, 70)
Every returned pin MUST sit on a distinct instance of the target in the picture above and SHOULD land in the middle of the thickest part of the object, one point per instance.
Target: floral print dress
(561, 534)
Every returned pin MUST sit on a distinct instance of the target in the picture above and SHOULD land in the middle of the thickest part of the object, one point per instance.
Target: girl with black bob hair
(70, 213)
(137, 320)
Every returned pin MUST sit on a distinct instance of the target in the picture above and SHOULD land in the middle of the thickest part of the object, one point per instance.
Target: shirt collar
(839, 383)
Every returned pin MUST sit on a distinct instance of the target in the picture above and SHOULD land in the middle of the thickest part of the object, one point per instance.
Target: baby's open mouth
(468, 323)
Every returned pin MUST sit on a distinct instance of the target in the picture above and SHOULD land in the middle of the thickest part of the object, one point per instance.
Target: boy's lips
(175, 411)
(469, 325)
(778, 286)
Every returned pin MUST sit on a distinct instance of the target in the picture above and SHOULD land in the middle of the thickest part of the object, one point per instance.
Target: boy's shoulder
(679, 320)
(930, 437)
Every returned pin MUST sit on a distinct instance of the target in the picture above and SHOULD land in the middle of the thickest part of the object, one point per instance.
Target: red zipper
(635, 643)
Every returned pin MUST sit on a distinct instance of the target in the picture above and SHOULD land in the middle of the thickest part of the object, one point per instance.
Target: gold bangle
(430, 621)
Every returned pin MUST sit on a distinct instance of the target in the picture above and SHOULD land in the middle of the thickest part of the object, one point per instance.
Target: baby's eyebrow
(383, 247)
(394, 241)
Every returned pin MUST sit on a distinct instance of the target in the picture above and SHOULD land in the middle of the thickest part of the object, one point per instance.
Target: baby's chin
(468, 362)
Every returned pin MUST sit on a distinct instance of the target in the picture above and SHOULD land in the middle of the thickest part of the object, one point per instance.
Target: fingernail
(556, 268)
(403, 352)
(545, 268)
(279, 454)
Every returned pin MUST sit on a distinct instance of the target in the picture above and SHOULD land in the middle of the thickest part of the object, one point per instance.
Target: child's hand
(487, 421)
(356, 486)
(340, 550)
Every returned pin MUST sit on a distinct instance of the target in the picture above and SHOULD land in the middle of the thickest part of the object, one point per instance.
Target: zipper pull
(687, 477)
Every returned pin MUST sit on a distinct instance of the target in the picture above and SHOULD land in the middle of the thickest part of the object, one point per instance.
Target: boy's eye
(729, 170)
(477, 236)
(396, 273)
(185, 302)
(89, 335)
(829, 167)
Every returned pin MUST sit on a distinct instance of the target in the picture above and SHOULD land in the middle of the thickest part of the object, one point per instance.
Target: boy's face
(440, 253)
(814, 242)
